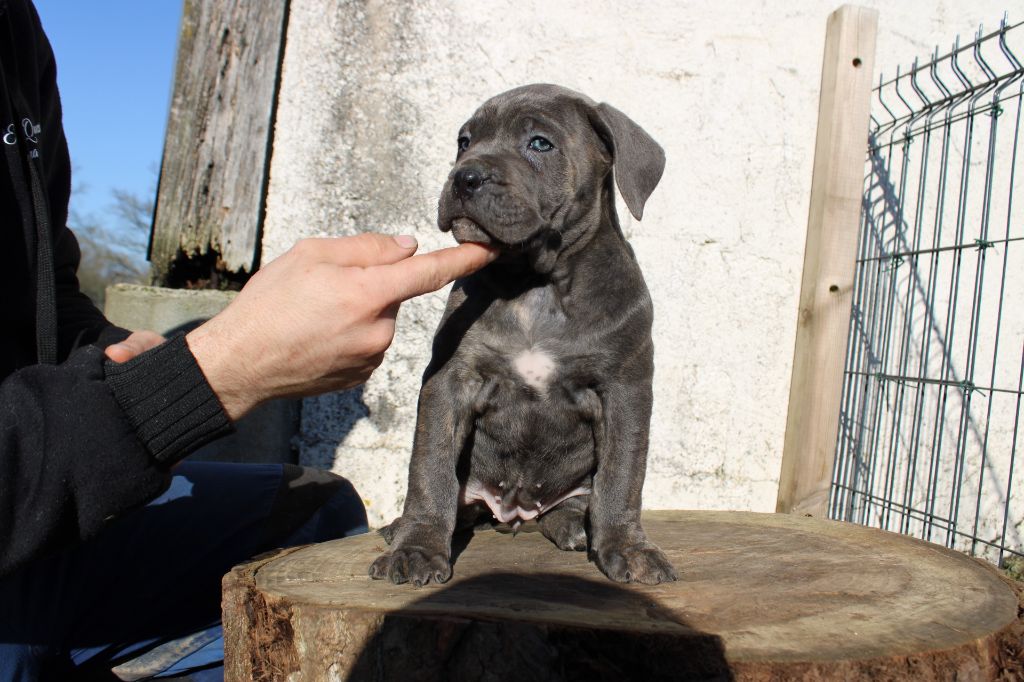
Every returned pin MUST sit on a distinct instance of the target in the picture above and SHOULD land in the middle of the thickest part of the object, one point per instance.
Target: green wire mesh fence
(930, 431)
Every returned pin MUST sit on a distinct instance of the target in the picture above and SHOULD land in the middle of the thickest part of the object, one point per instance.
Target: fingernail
(406, 241)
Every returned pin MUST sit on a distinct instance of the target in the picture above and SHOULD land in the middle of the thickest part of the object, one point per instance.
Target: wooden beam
(826, 289)
(216, 160)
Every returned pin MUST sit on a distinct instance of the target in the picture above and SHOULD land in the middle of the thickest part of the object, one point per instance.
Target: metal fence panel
(930, 428)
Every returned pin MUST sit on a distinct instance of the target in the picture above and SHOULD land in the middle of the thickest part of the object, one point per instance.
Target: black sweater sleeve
(86, 440)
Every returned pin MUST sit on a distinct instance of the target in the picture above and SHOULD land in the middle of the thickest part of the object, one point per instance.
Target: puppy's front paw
(642, 563)
(415, 565)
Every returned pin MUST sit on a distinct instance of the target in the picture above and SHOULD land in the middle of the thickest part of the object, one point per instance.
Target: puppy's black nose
(467, 181)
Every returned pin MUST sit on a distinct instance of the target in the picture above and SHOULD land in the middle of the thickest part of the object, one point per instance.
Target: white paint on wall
(373, 94)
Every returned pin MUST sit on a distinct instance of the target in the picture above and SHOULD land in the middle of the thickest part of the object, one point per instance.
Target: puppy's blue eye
(463, 143)
(541, 144)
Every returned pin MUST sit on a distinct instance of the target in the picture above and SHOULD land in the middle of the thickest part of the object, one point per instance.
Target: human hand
(136, 344)
(320, 317)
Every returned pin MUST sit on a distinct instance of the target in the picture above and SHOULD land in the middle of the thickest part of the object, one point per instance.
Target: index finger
(361, 250)
(430, 271)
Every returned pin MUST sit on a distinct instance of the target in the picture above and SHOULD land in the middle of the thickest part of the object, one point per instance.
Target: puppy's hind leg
(388, 531)
(565, 525)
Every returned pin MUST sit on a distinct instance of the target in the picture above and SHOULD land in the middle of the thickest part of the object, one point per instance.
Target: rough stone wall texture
(373, 94)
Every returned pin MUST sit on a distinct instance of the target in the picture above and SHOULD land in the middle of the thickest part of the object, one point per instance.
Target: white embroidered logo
(29, 129)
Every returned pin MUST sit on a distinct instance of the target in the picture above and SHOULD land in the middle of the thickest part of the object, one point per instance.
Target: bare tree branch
(113, 247)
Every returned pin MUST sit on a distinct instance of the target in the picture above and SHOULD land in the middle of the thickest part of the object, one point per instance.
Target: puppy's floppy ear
(638, 160)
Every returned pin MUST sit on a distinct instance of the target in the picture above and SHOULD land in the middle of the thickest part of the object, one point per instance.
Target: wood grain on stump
(760, 597)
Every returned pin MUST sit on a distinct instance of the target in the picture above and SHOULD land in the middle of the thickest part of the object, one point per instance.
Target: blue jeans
(143, 596)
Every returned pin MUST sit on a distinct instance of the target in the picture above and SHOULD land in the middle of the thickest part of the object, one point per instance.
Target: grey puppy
(536, 403)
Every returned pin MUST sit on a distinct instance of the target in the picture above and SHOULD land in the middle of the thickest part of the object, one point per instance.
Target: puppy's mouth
(466, 230)
(541, 248)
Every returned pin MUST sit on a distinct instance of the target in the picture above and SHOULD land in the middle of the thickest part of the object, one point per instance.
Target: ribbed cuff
(168, 400)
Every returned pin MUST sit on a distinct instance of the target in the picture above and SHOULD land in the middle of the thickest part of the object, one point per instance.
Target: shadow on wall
(447, 647)
(327, 421)
(349, 408)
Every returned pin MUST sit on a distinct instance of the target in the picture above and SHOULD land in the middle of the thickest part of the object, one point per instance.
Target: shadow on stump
(426, 642)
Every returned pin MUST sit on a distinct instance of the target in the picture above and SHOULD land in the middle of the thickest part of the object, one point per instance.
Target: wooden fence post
(826, 288)
(216, 160)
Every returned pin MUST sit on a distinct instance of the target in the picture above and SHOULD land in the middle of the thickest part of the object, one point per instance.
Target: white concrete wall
(373, 94)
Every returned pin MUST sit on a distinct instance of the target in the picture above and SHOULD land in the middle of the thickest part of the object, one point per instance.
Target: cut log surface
(760, 597)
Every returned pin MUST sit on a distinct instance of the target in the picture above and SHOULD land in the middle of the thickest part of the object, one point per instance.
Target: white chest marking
(535, 367)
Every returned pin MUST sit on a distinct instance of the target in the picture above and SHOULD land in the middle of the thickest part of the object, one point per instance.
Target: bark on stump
(760, 597)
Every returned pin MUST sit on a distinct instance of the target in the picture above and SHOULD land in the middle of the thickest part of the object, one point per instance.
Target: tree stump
(760, 597)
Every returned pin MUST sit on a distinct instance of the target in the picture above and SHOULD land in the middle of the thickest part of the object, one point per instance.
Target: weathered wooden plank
(216, 159)
(760, 597)
(826, 289)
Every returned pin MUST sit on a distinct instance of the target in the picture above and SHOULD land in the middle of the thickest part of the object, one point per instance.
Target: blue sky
(115, 64)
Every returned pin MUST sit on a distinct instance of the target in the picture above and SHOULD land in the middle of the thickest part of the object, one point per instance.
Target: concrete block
(265, 434)
(166, 311)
